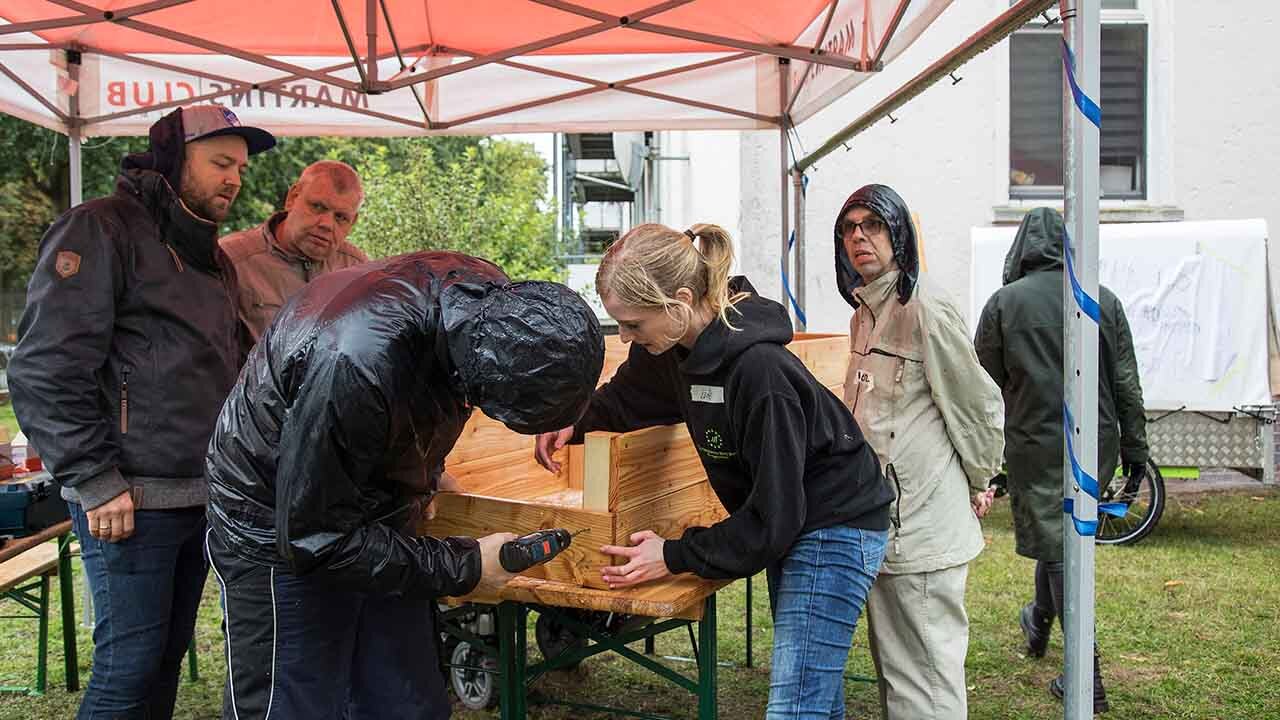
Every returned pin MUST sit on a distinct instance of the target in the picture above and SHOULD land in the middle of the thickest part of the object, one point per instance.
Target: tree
(489, 200)
(484, 197)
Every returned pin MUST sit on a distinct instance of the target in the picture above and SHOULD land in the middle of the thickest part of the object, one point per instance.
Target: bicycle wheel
(1128, 513)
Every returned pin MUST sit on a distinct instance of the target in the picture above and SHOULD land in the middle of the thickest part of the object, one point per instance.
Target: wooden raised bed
(611, 486)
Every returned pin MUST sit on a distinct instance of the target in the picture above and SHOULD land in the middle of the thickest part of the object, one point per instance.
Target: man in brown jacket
(308, 238)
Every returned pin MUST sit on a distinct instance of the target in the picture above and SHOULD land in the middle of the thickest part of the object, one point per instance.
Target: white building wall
(940, 156)
(1213, 153)
(1227, 87)
(706, 188)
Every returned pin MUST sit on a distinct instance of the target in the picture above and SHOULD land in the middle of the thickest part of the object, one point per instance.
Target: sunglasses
(869, 226)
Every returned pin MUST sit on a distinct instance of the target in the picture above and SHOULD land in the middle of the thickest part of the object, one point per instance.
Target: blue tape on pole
(1086, 482)
(1083, 527)
(786, 285)
(1086, 105)
(786, 281)
(1083, 480)
(1087, 304)
(1114, 509)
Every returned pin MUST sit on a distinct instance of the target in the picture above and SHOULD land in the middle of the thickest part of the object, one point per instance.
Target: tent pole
(557, 195)
(73, 130)
(797, 187)
(784, 166)
(371, 42)
(1081, 127)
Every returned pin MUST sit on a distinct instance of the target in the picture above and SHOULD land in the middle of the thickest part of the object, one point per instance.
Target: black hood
(883, 201)
(1037, 246)
(529, 354)
(757, 319)
(166, 152)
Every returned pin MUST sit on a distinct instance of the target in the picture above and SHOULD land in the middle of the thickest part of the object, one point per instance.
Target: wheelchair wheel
(1128, 511)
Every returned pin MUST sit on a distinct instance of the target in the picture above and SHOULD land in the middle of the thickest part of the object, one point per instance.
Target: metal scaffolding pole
(784, 173)
(1081, 127)
(73, 129)
(797, 186)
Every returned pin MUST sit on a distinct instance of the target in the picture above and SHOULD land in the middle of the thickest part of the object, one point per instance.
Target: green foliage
(488, 200)
(35, 186)
(469, 194)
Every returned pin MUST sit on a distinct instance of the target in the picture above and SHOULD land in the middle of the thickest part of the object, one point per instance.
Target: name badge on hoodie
(706, 394)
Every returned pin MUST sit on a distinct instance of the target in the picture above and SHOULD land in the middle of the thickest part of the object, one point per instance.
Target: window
(1035, 114)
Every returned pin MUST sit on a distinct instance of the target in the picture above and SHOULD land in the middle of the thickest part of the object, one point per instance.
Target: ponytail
(717, 258)
(651, 262)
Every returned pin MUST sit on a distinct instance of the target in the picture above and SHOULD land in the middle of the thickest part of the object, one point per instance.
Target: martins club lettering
(130, 93)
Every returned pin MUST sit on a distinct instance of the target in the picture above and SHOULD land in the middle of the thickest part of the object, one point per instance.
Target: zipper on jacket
(124, 403)
(177, 261)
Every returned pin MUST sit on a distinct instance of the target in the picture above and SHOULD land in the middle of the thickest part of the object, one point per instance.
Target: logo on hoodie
(712, 445)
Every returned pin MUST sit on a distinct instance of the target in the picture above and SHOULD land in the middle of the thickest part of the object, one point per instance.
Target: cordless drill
(534, 549)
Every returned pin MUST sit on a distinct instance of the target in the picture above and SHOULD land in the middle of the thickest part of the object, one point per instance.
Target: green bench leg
(193, 666)
(708, 661)
(67, 594)
(42, 639)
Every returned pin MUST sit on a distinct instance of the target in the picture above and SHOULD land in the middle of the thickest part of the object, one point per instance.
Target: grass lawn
(8, 420)
(1189, 625)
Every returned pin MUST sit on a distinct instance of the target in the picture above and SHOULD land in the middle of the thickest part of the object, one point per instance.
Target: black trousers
(300, 650)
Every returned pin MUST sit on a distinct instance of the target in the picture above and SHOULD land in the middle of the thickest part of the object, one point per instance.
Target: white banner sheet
(1195, 295)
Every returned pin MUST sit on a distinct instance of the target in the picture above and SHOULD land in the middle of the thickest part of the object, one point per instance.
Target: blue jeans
(146, 591)
(818, 591)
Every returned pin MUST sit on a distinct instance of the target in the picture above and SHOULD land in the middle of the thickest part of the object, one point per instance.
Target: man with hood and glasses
(1019, 341)
(128, 346)
(327, 453)
(934, 418)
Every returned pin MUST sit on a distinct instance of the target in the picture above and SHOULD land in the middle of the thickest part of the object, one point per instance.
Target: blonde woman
(804, 492)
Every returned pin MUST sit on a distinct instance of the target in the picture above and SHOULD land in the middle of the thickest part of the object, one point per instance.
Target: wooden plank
(39, 560)
(615, 353)
(652, 463)
(573, 468)
(826, 356)
(599, 472)
(677, 597)
(16, 546)
(475, 516)
(525, 487)
(567, 497)
(670, 515)
(483, 437)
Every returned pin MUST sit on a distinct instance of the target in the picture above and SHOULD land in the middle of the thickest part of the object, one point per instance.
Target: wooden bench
(25, 580)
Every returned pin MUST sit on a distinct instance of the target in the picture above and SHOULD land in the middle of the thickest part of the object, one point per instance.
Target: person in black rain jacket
(325, 456)
(804, 492)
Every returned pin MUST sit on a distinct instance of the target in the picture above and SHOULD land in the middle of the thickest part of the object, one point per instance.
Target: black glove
(1001, 484)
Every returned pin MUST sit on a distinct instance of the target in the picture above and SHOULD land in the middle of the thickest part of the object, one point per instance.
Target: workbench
(675, 604)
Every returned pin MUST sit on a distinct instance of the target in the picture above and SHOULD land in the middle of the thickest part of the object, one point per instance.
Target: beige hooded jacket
(931, 412)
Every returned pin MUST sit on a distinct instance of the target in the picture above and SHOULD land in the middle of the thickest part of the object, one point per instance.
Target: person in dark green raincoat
(1019, 342)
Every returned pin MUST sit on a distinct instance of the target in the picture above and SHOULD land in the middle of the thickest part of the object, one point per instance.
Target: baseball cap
(205, 121)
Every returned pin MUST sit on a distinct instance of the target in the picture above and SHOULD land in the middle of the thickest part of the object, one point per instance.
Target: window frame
(1154, 14)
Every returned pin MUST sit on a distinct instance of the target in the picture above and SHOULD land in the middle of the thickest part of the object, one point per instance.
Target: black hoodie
(782, 453)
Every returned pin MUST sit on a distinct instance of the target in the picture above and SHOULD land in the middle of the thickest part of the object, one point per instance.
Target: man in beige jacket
(935, 418)
(308, 238)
